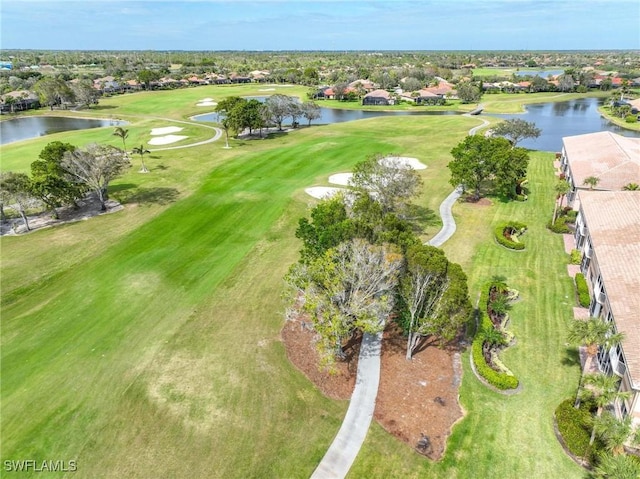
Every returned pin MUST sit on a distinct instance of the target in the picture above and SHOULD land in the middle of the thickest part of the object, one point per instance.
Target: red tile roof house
(608, 236)
(377, 97)
(612, 158)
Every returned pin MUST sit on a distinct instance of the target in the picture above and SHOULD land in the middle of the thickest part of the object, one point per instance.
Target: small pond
(541, 73)
(23, 128)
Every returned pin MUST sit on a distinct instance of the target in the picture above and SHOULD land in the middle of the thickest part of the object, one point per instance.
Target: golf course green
(146, 343)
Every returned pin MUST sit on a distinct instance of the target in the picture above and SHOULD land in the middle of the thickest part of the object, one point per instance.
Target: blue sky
(320, 25)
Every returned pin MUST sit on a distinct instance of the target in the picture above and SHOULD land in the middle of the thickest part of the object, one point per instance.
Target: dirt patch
(480, 202)
(416, 398)
(87, 208)
(300, 345)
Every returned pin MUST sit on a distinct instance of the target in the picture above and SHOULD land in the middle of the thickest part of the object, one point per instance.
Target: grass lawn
(148, 340)
(508, 436)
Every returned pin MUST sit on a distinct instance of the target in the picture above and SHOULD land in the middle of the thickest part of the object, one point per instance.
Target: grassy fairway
(146, 343)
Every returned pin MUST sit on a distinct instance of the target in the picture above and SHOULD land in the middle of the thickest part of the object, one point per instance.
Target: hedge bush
(507, 243)
(501, 381)
(560, 226)
(583, 291)
(573, 425)
(575, 256)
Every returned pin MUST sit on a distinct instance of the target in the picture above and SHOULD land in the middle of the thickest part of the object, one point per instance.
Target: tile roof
(378, 93)
(613, 158)
(613, 222)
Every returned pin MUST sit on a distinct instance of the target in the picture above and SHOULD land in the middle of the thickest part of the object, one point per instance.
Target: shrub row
(499, 230)
(575, 257)
(501, 381)
(573, 425)
(560, 226)
(583, 291)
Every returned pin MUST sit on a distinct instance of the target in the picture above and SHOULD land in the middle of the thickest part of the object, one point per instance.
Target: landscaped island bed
(150, 338)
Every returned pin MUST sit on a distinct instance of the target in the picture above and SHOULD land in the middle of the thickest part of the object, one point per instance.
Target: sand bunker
(343, 179)
(267, 89)
(165, 140)
(404, 160)
(166, 130)
(205, 99)
(322, 192)
(207, 103)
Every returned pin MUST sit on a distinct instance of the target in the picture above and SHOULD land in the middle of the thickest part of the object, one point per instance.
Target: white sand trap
(207, 103)
(404, 160)
(322, 192)
(205, 99)
(267, 89)
(343, 179)
(165, 140)
(166, 130)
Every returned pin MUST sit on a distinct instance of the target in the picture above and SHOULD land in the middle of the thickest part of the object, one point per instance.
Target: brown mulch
(480, 202)
(415, 398)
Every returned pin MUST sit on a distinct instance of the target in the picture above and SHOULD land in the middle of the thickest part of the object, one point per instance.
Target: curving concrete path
(346, 445)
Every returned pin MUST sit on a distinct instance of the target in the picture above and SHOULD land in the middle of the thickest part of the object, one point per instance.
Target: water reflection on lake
(565, 118)
(23, 128)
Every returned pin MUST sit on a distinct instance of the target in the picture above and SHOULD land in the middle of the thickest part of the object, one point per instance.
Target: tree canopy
(516, 130)
(490, 162)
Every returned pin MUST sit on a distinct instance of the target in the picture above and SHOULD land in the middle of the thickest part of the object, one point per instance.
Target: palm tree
(122, 133)
(618, 467)
(613, 432)
(561, 188)
(592, 181)
(141, 151)
(631, 187)
(603, 389)
(592, 333)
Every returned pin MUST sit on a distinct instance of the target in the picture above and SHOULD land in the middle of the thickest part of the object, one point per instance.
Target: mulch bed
(416, 398)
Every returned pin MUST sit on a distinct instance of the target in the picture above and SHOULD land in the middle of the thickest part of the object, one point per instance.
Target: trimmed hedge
(573, 426)
(501, 381)
(507, 243)
(560, 226)
(575, 257)
(583, 291)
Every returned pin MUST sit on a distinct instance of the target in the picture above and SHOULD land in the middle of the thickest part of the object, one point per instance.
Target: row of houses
(372, 95)
(109, 84)
(607, 234)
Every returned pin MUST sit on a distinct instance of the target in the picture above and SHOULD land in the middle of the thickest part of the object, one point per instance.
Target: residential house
(19, 100)
(444, 88)
(377, 97)
(366, 85)
(423, 97)
(612, 158)
(608, 236)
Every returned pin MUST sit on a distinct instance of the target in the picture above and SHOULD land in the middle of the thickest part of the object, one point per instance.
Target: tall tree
(123, 134)
(468, 92)
(279, 107)
(310, 111)
(16, 188)
(510, 167)
(435, 296)
(603, 390)
(389, 181)
(613, 432)
(141, 150)
(516, 130)
(53, 91)
(84, 93)
(473, 163)
(592, 333)
(561, 188)
(95, 166)
(350, 287)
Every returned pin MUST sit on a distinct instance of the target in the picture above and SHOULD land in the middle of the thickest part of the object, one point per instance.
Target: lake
(541, 73)
(565, 118)
(17, 129)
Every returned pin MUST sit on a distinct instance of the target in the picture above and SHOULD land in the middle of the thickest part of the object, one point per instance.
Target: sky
(320, 25)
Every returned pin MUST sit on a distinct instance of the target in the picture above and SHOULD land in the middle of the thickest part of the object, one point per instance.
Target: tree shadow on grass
(421, 217)
(142, 196)
(571, 357)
